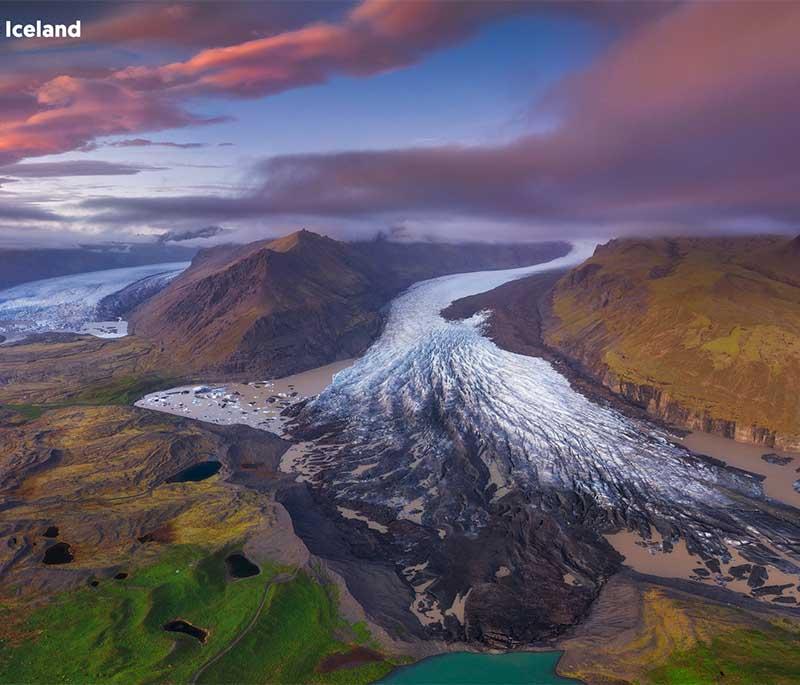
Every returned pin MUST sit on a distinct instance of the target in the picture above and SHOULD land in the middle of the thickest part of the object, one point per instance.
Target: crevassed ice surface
(535, 432)
(65, 303)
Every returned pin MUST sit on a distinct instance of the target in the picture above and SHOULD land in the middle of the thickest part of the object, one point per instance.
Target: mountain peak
(293, 240)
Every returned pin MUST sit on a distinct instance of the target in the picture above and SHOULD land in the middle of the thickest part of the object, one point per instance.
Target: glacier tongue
(69, 303)
(430, 387)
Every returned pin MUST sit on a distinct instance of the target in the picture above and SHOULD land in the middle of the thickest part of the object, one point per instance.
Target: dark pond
(239, 566)
(60, 553)
(51, 532)
(121, 576)
(181, 626)
(196, 472)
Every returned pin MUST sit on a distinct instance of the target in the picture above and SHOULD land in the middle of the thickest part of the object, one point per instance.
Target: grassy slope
(739, 657)
(124, 391)
(301, 625)
(113, 633)
(107, 495)
(83, 370)
(700, 320)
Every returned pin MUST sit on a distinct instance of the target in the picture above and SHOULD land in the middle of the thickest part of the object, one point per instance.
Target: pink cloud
(66, 112)
(693, 116)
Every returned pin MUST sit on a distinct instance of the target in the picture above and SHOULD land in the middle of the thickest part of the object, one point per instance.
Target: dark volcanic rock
(741, 571)
(772, 458)
(532, 602)
(770, 590)
(758, 576)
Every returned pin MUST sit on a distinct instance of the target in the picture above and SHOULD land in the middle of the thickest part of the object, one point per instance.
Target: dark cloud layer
(14, 212)
(73, 168)
(145, 142)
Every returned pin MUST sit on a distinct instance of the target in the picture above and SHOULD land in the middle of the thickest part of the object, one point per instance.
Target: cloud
(73, 168)
(376, 36)
(191, 234)
(260, 49)
(144, 142)
(41, 114)
(690, 119)
(188, 24)
(12, 211)
(71, 111)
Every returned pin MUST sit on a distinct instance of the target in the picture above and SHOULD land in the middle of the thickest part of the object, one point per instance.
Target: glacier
(429, 387)
(70, 303)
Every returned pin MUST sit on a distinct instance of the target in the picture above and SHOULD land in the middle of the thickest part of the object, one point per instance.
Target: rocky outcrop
(659, 403)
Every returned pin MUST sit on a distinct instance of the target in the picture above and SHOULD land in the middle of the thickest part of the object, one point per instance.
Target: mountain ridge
(303, 300)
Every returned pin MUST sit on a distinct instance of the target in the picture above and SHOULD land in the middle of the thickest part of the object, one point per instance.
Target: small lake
(466, 668)
(196, 472)
(239, 566)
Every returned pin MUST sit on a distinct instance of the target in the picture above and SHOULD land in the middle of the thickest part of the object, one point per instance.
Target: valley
(436, 493)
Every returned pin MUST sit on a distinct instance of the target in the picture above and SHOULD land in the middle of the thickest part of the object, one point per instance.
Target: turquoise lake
(466, 668)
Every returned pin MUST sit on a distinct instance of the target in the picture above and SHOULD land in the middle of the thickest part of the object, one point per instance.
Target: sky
(478, 120)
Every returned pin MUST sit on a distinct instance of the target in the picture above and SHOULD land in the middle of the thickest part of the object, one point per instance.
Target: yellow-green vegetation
(712, 324)
(678, 639)
(113, 633)
(121, 391)
(83, 370)
(98, 474)
(74, 459)
(23, 411)
(124, 391)
(739, 657)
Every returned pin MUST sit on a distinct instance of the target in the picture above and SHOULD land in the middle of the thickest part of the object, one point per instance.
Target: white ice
(69, 303)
